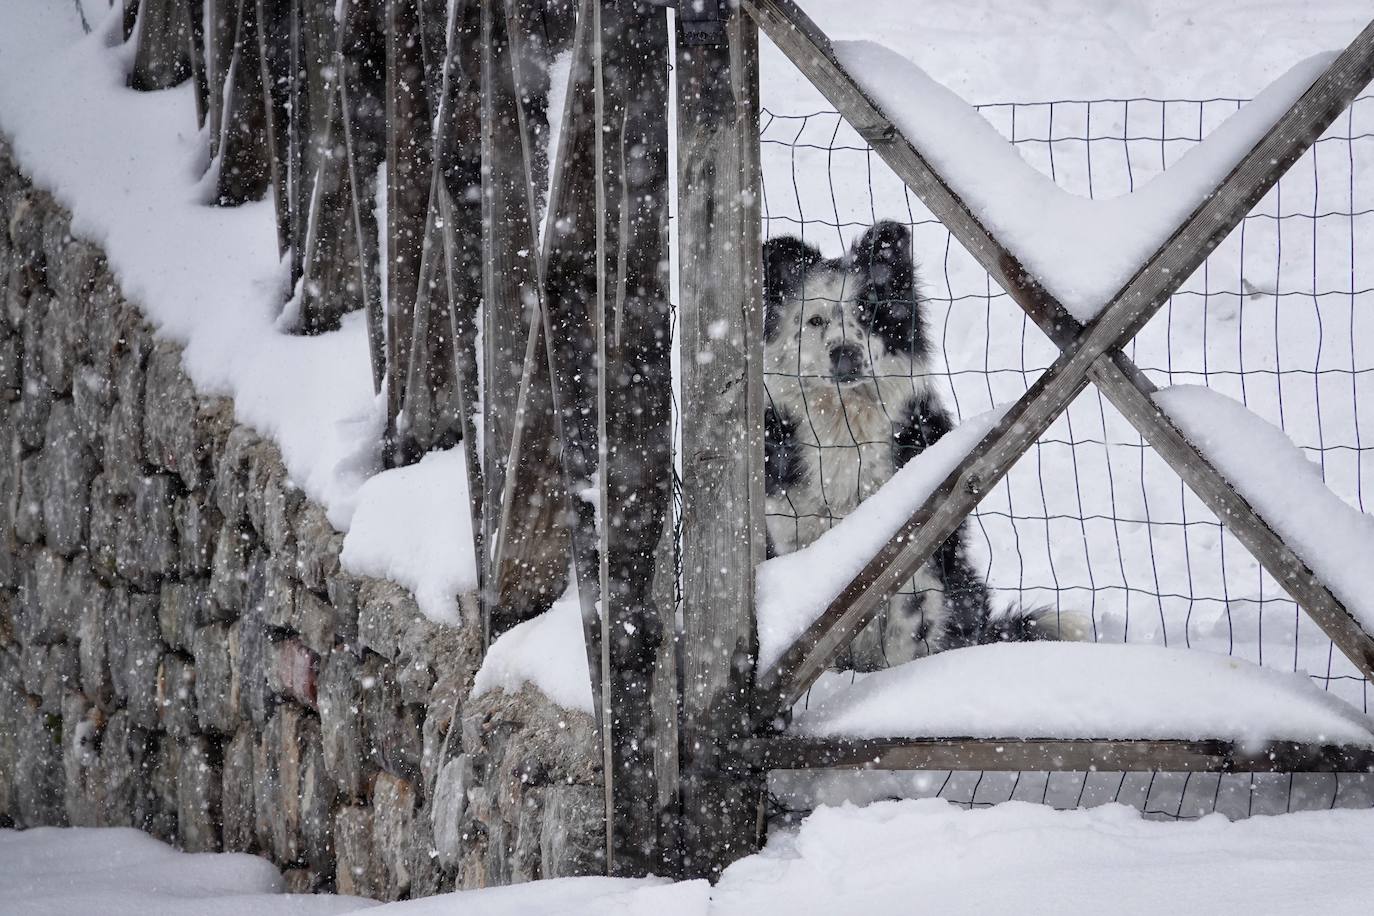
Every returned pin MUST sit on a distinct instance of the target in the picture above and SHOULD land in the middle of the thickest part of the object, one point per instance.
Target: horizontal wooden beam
(1052, 754)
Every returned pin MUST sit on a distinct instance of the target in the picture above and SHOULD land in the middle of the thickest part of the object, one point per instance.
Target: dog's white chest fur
(845, 446)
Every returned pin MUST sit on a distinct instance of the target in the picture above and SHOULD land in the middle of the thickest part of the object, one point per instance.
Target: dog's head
(842, 318)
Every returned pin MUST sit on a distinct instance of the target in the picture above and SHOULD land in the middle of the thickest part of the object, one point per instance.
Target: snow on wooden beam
(1332, 541)
(1084, 691)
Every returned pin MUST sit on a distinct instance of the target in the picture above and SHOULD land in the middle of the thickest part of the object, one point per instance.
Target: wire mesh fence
(1091, 521)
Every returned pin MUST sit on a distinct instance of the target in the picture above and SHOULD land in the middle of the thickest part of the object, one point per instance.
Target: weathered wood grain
(720, 325)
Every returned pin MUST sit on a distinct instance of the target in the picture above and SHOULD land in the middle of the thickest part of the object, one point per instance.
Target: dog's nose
(845, 362)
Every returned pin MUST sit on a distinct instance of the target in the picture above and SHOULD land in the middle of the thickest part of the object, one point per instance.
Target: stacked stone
(181, 652)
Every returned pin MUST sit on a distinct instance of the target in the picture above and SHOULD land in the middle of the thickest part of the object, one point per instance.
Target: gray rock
(278, 765)
(57, 235)
(279, 592)
(58, 345)
(317, 546)
(39, 791)
(315, 620)
(107, 510)
(237, 793)
(342, 590)
(280, 502)
(198, 527)
(91, 400)
(56, 619)
(170, 438)
(217, 705)
(82, 725)
(318, 798)
(229, 574)
(160, 811)
(26, 232)
(146, 552)
(292, 670)
(182, 609)
(266, 476)
(93, 633)
(248, 648)
(28, 509)
(11, 370)
(393, 822)
(385, 609)
(342, 727)
(136, 656)
(230, 486)
(198, 788)
(123, 460)
(448, 810)
(123, 766)
(176, 696)
(69, 467)
(53, 672)
(359, 870)
(81, 268)
(36, 396)
(572, 835)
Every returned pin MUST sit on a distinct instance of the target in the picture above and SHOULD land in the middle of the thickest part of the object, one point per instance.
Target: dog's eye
(815, 321)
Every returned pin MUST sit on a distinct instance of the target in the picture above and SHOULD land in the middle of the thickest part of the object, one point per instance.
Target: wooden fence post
(634, 384)
(721, 335)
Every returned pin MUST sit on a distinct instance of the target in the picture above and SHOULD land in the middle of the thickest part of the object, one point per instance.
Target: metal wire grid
(1091, 521)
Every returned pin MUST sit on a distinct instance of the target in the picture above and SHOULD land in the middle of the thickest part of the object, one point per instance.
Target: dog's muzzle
(846, 361)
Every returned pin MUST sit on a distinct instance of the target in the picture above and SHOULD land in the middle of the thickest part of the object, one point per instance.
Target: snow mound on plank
(793, 590)
(1080, 690)
(1333, 538)
(1083, 251)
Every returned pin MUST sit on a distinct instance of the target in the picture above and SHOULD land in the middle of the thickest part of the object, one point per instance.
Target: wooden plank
(634, 385)
(528, 546)
(194, 10)
(365, 232)
(242, 156)
(274, 59)
(1050, 754)
(569, 278)
(720, 317)
(221, 19)
(408, 145)
(1141, 297)
(164, 42)
(507, 279)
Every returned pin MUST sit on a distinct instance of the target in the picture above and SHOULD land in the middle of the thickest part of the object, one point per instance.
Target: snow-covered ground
(893, 857)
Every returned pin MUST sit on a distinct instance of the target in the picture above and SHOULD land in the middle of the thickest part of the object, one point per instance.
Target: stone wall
(181, 652)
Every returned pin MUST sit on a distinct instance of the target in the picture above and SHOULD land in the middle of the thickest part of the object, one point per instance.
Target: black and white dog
(850, 400)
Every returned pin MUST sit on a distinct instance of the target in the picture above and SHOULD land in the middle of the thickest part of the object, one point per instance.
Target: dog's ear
(883, 256)
(889, 303)
(786, 259)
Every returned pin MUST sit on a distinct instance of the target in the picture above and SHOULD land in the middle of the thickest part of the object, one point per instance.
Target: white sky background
(1032, 50)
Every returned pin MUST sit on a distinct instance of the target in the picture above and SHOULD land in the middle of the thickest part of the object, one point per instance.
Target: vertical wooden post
(634, 394)
(721, 321)
(408, 145)
(507, 286)
(163, 57)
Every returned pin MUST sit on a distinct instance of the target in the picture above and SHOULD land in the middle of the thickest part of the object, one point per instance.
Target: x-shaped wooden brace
(1087, 353)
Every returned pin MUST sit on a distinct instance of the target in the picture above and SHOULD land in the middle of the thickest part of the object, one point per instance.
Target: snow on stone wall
(180, 650)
